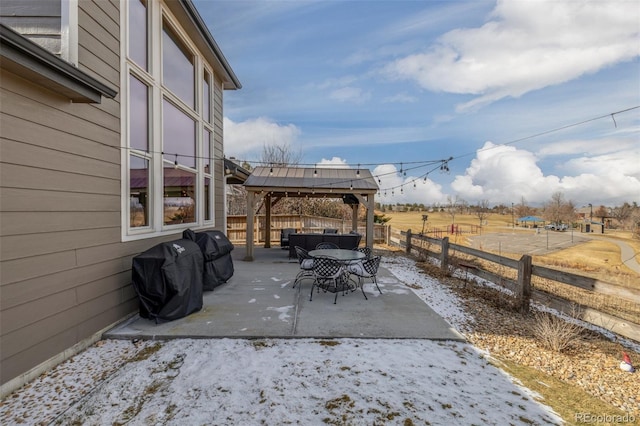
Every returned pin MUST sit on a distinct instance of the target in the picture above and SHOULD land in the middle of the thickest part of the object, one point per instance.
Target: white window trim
(153, 78)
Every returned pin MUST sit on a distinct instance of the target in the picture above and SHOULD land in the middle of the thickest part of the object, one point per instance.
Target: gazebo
(353, 186)
(527, 219)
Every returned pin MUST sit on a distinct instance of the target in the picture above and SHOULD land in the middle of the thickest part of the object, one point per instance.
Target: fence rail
(237, 227)
(524, 272)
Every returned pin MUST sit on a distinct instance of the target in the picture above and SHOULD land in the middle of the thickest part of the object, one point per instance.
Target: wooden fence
(237, 227)
(519, 281)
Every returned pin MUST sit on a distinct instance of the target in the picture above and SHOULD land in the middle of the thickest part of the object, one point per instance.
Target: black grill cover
(168, 280)
(218, 265)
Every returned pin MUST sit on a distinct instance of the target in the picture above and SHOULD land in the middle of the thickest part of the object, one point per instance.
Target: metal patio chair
(306, 265)
(367, 268)
(326, 245)
(330, 276)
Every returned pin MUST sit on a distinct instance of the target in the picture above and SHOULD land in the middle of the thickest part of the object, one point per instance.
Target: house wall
(65, 274)
(38, 20)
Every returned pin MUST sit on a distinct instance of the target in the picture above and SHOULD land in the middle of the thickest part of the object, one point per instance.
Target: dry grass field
(597, 256)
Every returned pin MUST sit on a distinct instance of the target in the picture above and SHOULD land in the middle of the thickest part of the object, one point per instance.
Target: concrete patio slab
(259, 301)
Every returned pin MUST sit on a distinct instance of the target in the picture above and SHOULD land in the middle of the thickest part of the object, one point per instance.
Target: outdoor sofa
(309, 241)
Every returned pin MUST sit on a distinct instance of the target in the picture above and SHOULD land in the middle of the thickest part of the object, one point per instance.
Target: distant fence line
(442, 249)
(237, 227)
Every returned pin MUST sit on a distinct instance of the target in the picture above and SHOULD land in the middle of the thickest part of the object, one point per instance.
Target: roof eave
(31, 61)
(232, 82)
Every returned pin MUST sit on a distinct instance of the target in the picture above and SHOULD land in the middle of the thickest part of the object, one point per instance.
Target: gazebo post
(354, 217)
(370, 207)
(251, 207)
(267, 206)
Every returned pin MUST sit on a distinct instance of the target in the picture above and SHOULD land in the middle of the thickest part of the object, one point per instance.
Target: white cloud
(397, 188)
(526, 46)
(250, 136)
(333, 162)
(350, 94)
(504, 174)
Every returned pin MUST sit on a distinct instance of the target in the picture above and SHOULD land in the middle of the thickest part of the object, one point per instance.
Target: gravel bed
(591, 362)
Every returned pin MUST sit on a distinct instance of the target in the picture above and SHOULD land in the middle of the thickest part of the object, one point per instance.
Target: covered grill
(168, 280)
(218, 264)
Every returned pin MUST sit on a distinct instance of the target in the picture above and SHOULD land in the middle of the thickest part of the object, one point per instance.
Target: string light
(175, 163)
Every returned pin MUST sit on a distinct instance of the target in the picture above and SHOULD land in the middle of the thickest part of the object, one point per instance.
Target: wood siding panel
(60, 115)
(21, 316)
(18, 200)
(36, 157)
(41, 136)
(31, 267)
(31, 8)
(103, 286)
(45, 284)
(97, 30)
(38, 20)
(14, 176)
(23, 223)
(19, 246)
(44, 25)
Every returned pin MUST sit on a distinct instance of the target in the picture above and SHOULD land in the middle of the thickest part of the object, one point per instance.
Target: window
(167, 127)
(177, 67)
(138, 32)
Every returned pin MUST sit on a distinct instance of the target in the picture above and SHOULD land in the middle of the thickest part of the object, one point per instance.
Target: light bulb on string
(175, 163)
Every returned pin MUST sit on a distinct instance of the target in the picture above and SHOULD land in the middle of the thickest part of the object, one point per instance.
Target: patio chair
(284, 237)
(326, 245)
(306, 265)
(329, 274)
(366, 250)
(367, 268)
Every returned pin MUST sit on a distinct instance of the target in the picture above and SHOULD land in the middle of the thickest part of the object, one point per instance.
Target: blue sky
(399, 85)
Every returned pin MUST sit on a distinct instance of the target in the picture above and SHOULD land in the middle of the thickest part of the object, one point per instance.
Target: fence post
(444, 254)
(409, 241)
(523, 295)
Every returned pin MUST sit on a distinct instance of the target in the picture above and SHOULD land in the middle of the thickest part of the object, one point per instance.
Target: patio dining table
(343, 255)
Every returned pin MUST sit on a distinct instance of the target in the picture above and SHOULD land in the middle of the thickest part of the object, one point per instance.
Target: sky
(526, 98)
(286, 381)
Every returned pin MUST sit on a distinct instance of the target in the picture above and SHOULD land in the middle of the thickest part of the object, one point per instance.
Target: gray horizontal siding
(37, 20)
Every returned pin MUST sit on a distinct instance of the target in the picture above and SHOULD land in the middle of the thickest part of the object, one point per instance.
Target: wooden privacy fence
(517, 276)
(237, 227)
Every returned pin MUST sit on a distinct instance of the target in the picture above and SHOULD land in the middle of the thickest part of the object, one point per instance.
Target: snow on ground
(281, 381)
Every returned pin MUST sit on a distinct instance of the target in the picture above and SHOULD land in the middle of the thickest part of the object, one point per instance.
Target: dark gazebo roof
(309, 181)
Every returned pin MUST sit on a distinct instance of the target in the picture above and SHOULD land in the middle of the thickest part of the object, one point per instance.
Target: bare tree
(482, 211)
(623, 213)
(453, 206)
(280, 155)
(523, 209)
(558, 210)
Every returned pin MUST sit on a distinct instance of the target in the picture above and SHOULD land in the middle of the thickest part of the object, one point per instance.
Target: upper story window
(138, 32)
(177, 67)
(167, 126)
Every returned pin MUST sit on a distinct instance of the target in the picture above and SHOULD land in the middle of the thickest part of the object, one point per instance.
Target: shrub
(554, 332)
